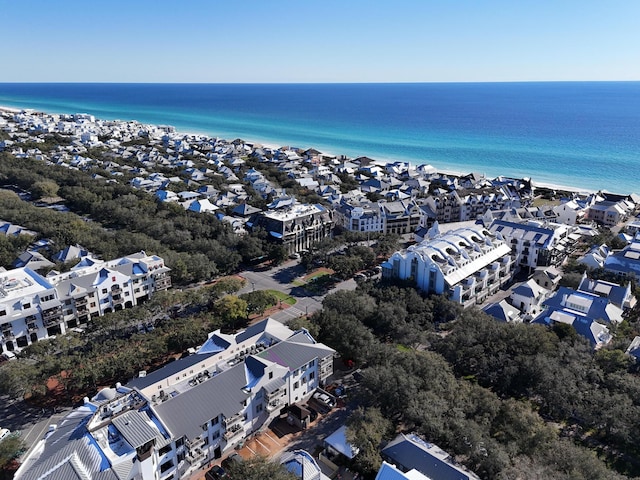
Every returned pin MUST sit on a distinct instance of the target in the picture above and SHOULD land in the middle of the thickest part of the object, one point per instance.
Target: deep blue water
(579, 134)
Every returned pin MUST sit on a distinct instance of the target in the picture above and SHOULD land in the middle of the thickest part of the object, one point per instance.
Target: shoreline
(274, 145)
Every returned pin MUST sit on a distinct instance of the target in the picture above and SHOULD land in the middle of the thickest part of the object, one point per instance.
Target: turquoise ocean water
(579, 134)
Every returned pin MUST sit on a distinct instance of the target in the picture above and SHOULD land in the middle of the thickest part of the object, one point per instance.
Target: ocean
(584, 135)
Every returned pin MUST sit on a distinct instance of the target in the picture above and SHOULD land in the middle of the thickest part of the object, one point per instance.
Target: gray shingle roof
(294, 355)
(185, 413)
(167, 371)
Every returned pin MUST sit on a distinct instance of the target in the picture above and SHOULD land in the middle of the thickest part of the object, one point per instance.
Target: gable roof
(412, 452)
(223, 394)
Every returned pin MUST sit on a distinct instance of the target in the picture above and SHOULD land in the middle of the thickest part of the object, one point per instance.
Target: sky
(247, 41)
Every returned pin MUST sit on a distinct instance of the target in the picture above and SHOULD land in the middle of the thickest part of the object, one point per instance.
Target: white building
(196, 415)
(536, 243)
(33, 307)
(466, 264)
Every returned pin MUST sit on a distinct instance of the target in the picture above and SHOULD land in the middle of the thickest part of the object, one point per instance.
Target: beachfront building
(466, 265)
(295, 226)
(536, 243)
(609, 213)
(129, 433)
(33, 307)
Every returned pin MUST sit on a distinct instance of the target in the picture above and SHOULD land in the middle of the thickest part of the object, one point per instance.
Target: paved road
(280, 278)
(31, 422)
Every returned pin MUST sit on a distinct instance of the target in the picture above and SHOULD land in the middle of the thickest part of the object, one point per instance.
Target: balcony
(30, 318)
(53, 320)
(32, 328)
(117, 300)
(197, 442)
(8, 335)
(234, 432)
(115, 290)
(274, 404)
(195, 456)
(163, 282)
(52, 313)
(232, 421)
(80, 302)
(276, 394)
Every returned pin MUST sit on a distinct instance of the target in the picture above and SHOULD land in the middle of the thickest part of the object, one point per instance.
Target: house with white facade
(33, 307)
(295, 226)
(536, 243)
(466, 265)
(588, 313)
(409, 453)
(169, 424)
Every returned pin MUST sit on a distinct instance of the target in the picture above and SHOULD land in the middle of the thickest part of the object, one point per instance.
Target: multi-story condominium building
(296, 227)
(536, 243)
(466, 264)
(464, 205)
(172, 422)
(33, 307)
(359, 216)
(610, 212)
(402, 216)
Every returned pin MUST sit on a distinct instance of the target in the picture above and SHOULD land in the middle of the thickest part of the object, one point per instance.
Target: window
(270, 375)
(164, 450)
(258, 408)
(296, 385)
(93, 304)
(26, 305)
(304, 380)
(104, 290)
(205, 427)
(206, 440)
(216, 435)
(166, 466)
(312, 375)
(215, 421)
(3, 313)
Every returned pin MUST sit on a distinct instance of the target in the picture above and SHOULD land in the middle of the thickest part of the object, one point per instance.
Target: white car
(4, 433)
(324, 399)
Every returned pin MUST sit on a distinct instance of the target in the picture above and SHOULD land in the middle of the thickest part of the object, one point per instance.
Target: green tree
(366, 428)
(259, 468)
(43, 189)
(230, 309)
(259, 301)
(10, 448)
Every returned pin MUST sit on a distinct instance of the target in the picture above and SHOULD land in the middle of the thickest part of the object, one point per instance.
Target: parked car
(216, 472)
(4, 433)
(324, 399)
(231, 459)
(8, 356)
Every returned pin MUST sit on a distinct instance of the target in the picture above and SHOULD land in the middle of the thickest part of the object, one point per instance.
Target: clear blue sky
(319, 41)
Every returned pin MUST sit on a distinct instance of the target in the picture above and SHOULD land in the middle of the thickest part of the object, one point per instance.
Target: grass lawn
(283, 297)
(539, 202)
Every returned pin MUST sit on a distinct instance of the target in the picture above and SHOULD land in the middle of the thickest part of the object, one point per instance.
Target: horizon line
(311, 83)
